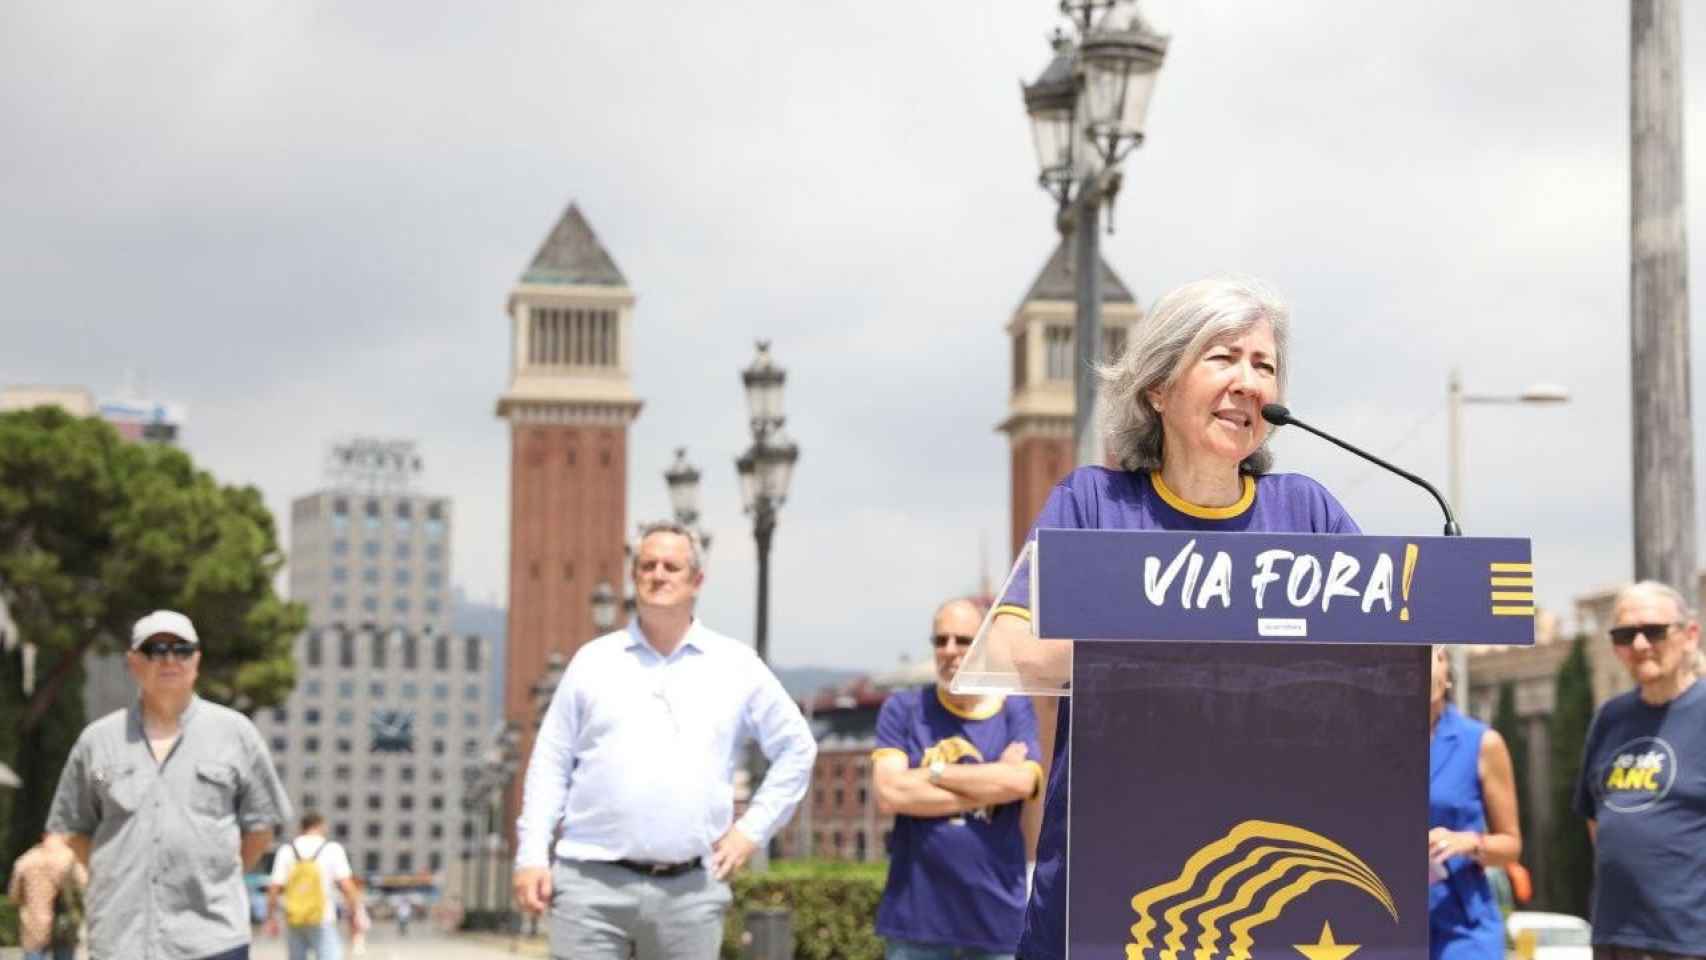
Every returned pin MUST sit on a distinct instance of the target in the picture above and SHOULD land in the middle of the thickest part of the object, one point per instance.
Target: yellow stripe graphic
(1176, 929)
(1513, 595)
(1513, 581)
(1324, 869)
(1513, 611)
(1329, 858)
(1513, 567)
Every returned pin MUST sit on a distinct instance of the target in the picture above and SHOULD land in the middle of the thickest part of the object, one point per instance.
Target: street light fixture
(603, 606)
(766, 469)
(1537, 394)
(1087, 112)
(683, 480)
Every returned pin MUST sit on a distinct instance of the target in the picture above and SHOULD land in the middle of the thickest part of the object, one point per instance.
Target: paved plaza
(420, 944)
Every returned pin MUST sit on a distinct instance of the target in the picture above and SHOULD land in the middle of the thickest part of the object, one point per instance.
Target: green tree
(1570, 875)
(1510, 726)
(94, 533)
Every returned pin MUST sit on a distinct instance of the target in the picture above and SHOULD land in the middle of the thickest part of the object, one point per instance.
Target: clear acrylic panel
(1011, 658)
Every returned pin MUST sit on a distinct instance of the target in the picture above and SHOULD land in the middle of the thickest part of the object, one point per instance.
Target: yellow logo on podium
(1245, 879)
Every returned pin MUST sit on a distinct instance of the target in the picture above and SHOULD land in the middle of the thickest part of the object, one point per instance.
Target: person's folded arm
(910, 792)
(992, 784)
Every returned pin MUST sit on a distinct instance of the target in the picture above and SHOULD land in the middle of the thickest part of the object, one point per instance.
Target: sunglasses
(159, 651)
(1654, 632)
(941, 640)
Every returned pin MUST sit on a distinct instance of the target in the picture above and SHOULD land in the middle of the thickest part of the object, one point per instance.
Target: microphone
(1279, 416)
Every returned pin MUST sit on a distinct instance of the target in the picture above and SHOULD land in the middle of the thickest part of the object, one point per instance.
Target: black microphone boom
(1279, 416)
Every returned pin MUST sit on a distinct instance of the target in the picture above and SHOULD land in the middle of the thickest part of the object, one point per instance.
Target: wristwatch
(936, 768)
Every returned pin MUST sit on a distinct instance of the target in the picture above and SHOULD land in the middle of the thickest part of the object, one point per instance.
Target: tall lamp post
(765, 470)
(682, 478)
(1087, 111)
(1455, 398)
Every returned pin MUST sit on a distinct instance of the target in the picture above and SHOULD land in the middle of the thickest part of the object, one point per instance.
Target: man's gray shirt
(165, 876)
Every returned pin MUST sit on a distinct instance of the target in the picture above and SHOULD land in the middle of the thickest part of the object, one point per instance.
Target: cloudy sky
(301, 220)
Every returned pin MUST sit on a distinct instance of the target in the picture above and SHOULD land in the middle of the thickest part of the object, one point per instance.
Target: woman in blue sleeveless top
(1472, 825)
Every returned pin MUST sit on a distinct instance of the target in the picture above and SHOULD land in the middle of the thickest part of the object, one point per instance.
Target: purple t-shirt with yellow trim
(1096, 498)
(955, 881)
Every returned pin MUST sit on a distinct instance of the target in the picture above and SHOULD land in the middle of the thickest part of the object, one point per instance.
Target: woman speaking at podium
(1182, 418)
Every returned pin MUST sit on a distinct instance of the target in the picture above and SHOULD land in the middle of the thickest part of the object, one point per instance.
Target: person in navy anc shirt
(1643, 786)
(1183, 419)
(955, 771)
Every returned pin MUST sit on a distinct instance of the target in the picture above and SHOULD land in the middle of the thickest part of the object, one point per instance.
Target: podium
(1249, 740)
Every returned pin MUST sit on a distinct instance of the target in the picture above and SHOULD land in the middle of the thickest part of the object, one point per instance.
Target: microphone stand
(1278, 415)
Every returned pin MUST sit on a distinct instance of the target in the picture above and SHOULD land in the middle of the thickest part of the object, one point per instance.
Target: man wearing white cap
(168, 801)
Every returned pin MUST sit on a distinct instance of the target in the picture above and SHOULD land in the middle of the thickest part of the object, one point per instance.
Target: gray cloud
(302, 220)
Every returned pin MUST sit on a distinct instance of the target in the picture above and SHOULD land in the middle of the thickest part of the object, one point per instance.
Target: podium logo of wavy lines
(1237, 883)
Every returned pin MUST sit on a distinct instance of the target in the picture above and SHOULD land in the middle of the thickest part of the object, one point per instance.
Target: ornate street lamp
(1087, 112)
(765, 469)
(603, 606)
(683, 480)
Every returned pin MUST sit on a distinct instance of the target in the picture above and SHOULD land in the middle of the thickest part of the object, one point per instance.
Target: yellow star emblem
(1326, 948)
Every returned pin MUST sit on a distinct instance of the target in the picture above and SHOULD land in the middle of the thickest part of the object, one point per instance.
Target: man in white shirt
(312, 846)
(635, 761)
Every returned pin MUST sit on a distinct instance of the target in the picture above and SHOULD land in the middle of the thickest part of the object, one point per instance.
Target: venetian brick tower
(569, 403)
(1039, 409)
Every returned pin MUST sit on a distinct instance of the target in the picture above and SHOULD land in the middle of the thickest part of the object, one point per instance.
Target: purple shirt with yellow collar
(1096, 498)
(955, 881)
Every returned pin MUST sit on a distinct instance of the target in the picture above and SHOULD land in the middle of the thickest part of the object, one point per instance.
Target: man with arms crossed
(636, 759)
(168, 801)
(1643, 786)
(954, 770)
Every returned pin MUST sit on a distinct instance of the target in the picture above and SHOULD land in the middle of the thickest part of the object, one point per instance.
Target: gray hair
(1657, 588)
(1176, 331)
(694, 547)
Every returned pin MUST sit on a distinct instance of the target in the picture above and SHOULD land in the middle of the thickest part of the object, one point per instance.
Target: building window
(401, 576)
(311, 688)
(378, 654)
(280, 715)
(370, 604)
(435, 552)
(370, 549)
(471, 691)
(470, 748)
(405, 860)
(375, 802)
(471, 655)
(340, 574)
(340, 507)
(471, 719)
(410, 690)
(407, 800)
(441, 690)
(370, 859)
(311, 715)
(375, 772)
(313, 653)
(431, 605)
(310, 771)
(371, 516)
(400, 604)
(435, 860)
(372, 834)
(341, 771)
(441, 660)
(340, 832)
(1113, 343)
(403, 526)
(1057, 352)
(434, 529)
(376, 688)
(436, 831)
(436, 776)
(467, 830)
(339, 601)
(862, 798)
(278, 744)
(440, 718)
(434, 579)
(437, 747)
(340, 801)
(346, 650)
(340, 548)
(1019, 361)
(345, 717)
(436, 802)
(411, 649)
(840, 796)
(346, 689)
(405, 831)
(859, 846)
(370, 575)
(407, 775)
(343, 744)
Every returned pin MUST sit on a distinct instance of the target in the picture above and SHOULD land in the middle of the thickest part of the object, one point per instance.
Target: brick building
(1040, 405)
(569, 402)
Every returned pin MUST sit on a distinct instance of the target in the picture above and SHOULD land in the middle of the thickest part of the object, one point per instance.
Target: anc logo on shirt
(1641, 772)
(1242, 881)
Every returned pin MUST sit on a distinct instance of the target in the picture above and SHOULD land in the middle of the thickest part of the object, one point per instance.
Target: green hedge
(834, 907)
(8, 923)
